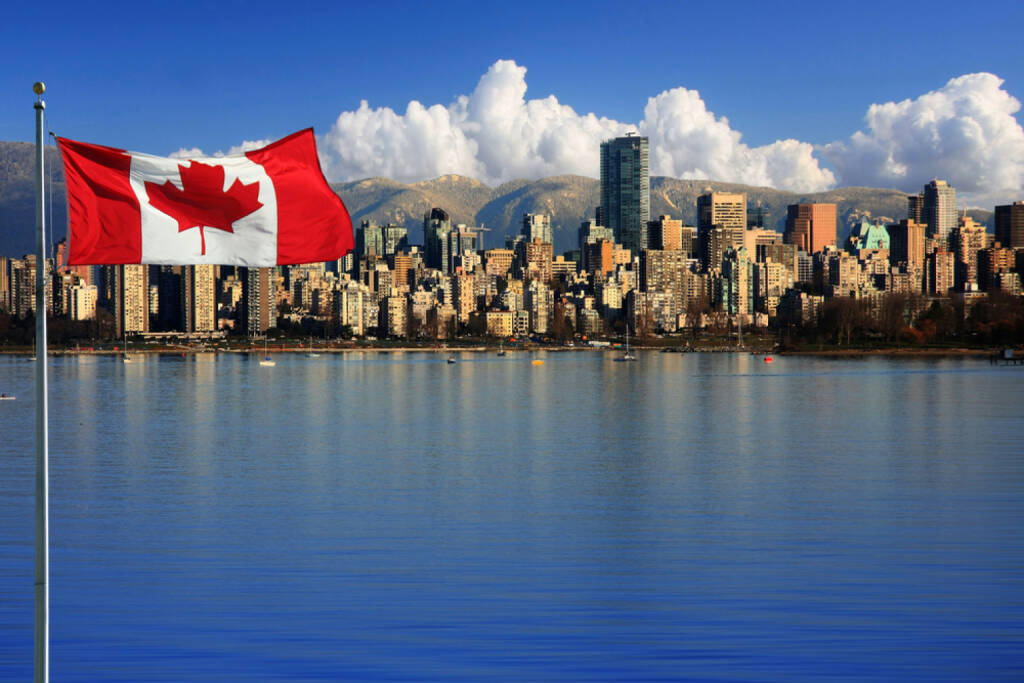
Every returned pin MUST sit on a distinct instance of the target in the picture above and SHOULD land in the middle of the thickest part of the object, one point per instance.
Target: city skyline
(832, 113)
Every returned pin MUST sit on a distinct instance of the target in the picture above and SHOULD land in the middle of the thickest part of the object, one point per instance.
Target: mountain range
(568, 199)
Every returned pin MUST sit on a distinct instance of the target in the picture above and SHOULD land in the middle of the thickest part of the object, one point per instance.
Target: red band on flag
(103, 212)
(311, 218)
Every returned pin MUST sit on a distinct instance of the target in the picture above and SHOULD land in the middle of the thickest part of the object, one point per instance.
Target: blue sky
(160, 77)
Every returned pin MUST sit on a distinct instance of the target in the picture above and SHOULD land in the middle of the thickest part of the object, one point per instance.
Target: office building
(811, 227)
(1010, 225)
(626, 189)
(437, 224)
(537, 226)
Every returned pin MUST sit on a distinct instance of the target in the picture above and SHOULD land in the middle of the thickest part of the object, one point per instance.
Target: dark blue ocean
(391, 517)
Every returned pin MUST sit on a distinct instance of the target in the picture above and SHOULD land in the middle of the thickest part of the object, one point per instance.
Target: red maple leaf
(203, 203)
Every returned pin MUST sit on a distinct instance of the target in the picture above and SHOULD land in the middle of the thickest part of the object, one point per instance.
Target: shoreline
(928, 352)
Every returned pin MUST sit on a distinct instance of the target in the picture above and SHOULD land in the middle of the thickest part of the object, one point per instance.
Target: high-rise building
(394, 238)
(82, 302)
(538, 260)
(906, 243)
(369, 240)
(939, 268)
(537, 226)
(1010, 225)
(811, 227)
(666, 271)
(133, 299)
(665, 233)
(258, 294)
(199, 299)
(462, 243)
(737, 282)
(626, 189)
(721, 221)
(5, 284)
(968, 239)
(436, 226)
(939, 210)
(915, 208)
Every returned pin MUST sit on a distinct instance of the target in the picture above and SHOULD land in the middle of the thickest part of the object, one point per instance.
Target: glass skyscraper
(626, 189)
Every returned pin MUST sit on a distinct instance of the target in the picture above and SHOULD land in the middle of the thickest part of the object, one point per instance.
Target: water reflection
(393, 516)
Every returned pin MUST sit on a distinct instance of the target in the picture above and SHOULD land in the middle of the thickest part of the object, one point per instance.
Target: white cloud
(687, 141)
(496, 134)
(964, 132)
(245, 146)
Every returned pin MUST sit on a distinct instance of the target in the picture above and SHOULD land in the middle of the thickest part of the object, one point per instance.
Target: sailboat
(627, 356)
(501, 349)
(267, 361)
(311, 354)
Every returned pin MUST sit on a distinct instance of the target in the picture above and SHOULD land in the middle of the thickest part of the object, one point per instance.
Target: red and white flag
(271, 206)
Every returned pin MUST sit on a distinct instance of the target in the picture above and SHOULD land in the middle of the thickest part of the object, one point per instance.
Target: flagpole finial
(39, 88)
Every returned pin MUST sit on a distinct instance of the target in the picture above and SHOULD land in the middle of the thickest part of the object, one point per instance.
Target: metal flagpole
(42, 630)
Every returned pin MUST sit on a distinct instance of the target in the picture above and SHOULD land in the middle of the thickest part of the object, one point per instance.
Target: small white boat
(5, 397)
(311, 353)
(267, 361)
(451, 360)
(627, 356)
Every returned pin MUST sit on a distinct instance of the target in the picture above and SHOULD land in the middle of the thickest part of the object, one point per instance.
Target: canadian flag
(270, 206)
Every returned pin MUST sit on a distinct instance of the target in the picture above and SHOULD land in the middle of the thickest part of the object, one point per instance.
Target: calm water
(391, 517)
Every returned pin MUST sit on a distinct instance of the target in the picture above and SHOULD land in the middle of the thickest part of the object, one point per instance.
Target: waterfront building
(199, 301)
(666, 270)
(626, 189)
(737, 281)
(394, 314)
(258, 310)
(811, 227)
(539, 303)
(499, 323)
(1009, 219)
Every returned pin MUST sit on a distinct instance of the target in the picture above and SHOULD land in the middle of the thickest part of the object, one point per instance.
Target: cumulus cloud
(964, 132)
(688, 141)
(497, 134)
